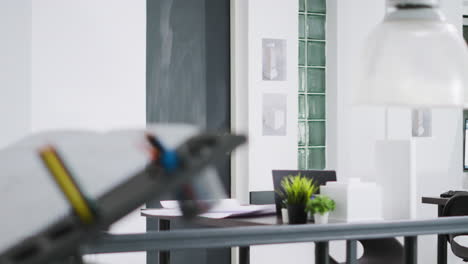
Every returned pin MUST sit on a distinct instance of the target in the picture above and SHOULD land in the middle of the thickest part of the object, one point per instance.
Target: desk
(244, 252)
(278, 234)
(441, 238)
(321, 246)
(195, 256)
(321, 249)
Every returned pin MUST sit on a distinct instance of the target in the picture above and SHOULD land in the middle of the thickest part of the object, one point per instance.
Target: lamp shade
(414, 58)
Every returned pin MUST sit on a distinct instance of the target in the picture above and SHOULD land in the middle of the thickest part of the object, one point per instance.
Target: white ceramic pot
(321, 219)
(284, 215)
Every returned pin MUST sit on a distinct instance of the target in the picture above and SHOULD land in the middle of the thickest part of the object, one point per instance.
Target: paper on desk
(161, 212)
(240, 211)
(225, 208)
(221, 203)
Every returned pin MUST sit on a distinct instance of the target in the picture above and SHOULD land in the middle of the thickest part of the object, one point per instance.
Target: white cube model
(355, 200)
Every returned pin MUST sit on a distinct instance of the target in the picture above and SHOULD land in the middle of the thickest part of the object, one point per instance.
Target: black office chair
(262, 197)
(457, 206)
(382, 251)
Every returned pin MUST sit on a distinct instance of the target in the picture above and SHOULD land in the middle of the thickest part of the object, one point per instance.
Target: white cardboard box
(355, 200)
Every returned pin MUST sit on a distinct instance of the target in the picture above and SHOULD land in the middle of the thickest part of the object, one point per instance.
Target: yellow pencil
(66, 184)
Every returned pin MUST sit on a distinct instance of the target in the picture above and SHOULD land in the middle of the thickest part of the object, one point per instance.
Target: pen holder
(284, 215)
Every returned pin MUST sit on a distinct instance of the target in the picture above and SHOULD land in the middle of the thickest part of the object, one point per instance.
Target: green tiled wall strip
(312, 63)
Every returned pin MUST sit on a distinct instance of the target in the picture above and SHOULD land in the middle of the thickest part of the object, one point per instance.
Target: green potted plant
(296, 191)
(320, 207)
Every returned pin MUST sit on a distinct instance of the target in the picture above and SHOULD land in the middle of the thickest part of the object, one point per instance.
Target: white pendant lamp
(414, 58)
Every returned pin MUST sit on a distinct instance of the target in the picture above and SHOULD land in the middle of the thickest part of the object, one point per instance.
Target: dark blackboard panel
(188, 65)
(218, 65)
(176, 62)
(218, 76)
(188, 80)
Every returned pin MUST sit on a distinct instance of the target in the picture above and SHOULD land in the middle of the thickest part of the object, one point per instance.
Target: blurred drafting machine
(60, 189)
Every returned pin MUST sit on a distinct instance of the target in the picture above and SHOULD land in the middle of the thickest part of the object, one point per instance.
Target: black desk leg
(244, 255)
(152, 256)
(411, 250)
(351, 252)
(441, 243)
(164, 256)
(321, 253)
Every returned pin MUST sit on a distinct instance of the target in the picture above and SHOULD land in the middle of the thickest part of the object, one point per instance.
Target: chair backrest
(262, 197)
(457, 205)
(320, 177)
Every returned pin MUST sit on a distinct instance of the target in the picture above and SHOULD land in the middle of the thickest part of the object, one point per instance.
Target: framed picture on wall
(274, 114)
(274, 59)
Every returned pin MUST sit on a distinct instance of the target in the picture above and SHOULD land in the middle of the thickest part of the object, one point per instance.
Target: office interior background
(98, 65)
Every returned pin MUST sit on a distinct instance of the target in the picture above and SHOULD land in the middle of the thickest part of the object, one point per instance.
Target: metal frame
(261, 235)
(351, 251)
(63, 237)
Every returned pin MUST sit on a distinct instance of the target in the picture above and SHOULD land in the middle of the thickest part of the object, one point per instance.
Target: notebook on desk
(223, 208)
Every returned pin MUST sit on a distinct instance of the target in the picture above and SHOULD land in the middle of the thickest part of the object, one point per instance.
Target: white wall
(354, 132)
(88, 64)
(88, 72)
(15, 69)
(439, 159)
(271, 152)
(351, 131)
(74, 64)
(252, 165)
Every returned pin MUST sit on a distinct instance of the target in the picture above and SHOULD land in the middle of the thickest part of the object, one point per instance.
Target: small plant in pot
(320, 206)
(296, 191)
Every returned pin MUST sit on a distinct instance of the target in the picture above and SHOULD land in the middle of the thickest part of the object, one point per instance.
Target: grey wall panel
(188, 80)
(218, 69)
(176, 59)
(188, 65)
